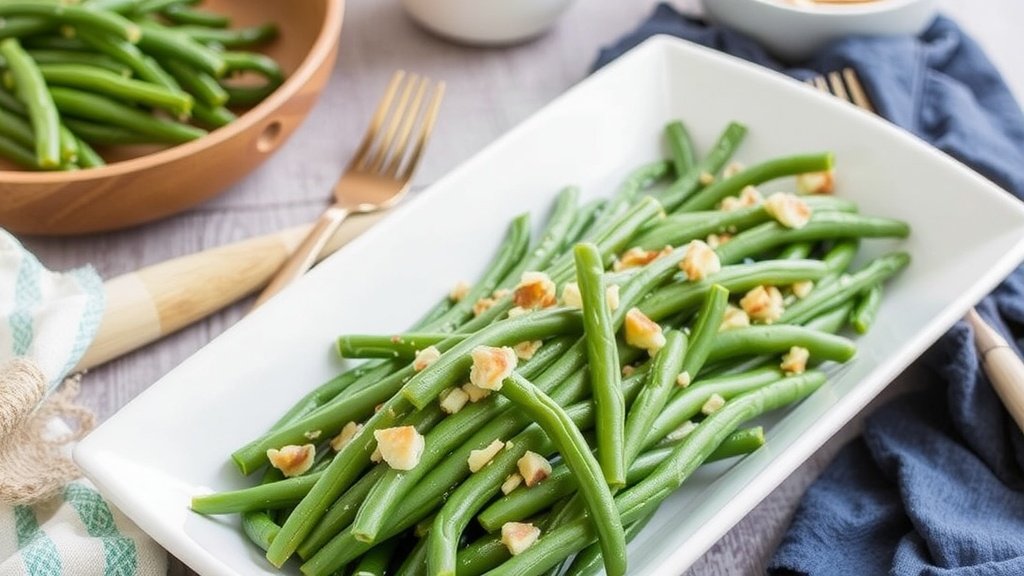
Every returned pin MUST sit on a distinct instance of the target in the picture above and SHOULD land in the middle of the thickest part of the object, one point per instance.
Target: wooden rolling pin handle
(1004, 367)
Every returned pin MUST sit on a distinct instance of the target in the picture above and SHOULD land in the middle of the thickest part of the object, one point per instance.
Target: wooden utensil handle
(1004, 368)
(145, 305)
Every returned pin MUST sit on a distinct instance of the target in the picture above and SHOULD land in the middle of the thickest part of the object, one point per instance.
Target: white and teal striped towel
(50, 319)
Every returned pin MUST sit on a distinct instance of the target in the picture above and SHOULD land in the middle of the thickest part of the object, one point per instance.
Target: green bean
(212, 117)
(106, 22)
(641, 499)
(173, 44)
(797, 251)
(770, 170)
(681, 147)
(662, 378)
(526, 502)
(201, 85)
(838, 259)
(780, 338)
(261, 497)
(231, 39)
(375, 562)
(573, 448)
(863, 314)
(627, 192)
(551, 239)
(103, 135)
(44, 57)
(832, 321)
(482, 555)
(18, 27)
(827, 297)
(262, 65)
(147, 6)
(415, 563)
(704, 335)
(87, 157)
(260, 528)
(110, 84)
(688, 184)
(182, 15)
(399, 346)
(97, 108)
(145, 67)
(68, 144)
(683, 297)
(11, 103)
(120, 6)
(603, 360)
(31, 90)
(581, 223)
(17, 129)
(588, 561)
(17, 153)
(54, 42)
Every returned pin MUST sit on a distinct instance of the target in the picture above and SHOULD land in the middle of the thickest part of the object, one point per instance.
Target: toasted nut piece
(634, 258)
(292, 460)
(684, 379)
(535, 290)
(802, 289)
(750, 196)
(483, 305)
(425, 358)
(716, 240)
(517, 311)
(501, 293)
(763, 304)
(312, 434)
(642, 332)
(682, 432)
(513, 481)
(788, 209)
(375, 457)
(348, 431)
(475, 392)
(526, 350)
(706, 178)
(730, 203)
(732, 169)
(491, 366)
(534, 468)
(714, 404)
(454, 400)
(479, 458)
(518, 536)
(733, 318)
(459, 291)
(816, 182)
(628, 370)
(571, 295)
(700, 261)
(401, 447)
(795, 361)
(611, 295)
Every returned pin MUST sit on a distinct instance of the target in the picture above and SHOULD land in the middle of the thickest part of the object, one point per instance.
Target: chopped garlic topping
(483, 305)
(513, 481)
(714, 404)
(683, 380)
(348, 431)
(479, 458)
(763, 304)
(802, 289)
(734, 318)
(788, 209)
(459, 291)
(706, 178)
(642, 332)
(571, 295)
(491, 366)
(534, 468)
(292, 460)
(816, 182)
(518, 536)
(535, 290)
(682, 432)
(611, 295)
(700, 261)
(795, 361)
(453, 400)
(475, 392)
(401, 447)
(425, 358)
(526, 350)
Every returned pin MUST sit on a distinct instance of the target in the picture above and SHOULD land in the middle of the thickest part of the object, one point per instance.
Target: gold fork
(378, 175)
(1004, 368)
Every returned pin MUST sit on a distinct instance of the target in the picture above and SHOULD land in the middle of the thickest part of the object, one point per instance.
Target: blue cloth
(935, 484)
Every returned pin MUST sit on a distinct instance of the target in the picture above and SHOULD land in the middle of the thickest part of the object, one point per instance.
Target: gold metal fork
(380, 172)
(1004, 368)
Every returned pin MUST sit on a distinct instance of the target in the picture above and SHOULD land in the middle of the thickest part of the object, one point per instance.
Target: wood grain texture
(490, 90)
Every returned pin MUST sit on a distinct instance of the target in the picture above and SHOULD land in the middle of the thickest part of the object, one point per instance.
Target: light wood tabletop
(490, 90)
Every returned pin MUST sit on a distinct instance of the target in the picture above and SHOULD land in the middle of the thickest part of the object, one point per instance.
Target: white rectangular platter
(174, 440)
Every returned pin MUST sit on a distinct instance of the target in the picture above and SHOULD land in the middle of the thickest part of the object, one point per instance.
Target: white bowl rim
(868, 7)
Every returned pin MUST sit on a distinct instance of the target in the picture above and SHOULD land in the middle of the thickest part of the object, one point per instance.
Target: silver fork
(1004, 368)
(379, 174)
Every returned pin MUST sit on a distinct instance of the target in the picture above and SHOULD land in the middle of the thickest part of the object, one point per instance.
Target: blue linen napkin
(936, 484)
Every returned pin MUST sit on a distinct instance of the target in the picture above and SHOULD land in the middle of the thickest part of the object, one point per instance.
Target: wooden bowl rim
(322, 47)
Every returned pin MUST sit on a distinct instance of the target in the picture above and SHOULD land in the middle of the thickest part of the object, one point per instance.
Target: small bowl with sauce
(794, 30)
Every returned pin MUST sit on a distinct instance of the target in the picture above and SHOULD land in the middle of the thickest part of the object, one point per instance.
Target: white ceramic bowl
(794, 32)
(486, 22)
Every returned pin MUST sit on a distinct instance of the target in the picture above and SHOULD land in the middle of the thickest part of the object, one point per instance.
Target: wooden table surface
(490, 90)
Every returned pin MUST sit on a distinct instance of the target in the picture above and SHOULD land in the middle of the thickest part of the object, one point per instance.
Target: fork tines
(844, 85)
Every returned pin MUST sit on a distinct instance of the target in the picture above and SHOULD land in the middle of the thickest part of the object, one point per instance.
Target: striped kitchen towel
(49, 526)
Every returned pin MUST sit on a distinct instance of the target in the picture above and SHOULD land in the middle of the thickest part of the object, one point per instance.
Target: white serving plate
(174, 439)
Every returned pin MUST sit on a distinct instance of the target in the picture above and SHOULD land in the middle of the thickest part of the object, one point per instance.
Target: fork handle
(1004, 368)
(306, 254)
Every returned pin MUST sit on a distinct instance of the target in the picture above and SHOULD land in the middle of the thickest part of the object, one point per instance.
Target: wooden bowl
(142, 183)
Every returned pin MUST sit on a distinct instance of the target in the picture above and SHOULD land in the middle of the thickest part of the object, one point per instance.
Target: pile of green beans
(622, 427)
(76, 76)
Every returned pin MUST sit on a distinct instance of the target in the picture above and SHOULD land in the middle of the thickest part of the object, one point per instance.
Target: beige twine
(33, 462)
